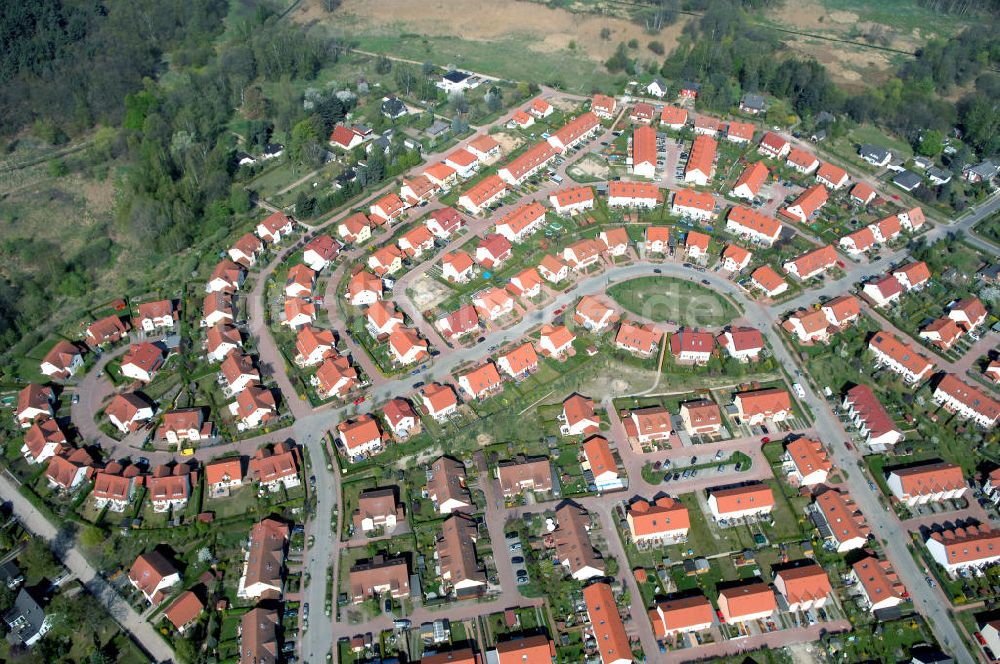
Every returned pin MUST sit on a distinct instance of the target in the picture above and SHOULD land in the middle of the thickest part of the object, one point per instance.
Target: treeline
(178, 186)
(961, 7)
(729, 56)
(72, 63)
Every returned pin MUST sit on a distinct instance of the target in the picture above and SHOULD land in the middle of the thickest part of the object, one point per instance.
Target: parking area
(515, 549)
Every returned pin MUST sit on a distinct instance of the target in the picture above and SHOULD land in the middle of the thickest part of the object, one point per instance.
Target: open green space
(663, 299)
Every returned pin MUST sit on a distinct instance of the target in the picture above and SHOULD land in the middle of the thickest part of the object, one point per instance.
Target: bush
(656, 47)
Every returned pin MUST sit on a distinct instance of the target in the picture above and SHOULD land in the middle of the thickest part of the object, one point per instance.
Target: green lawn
(664, 299)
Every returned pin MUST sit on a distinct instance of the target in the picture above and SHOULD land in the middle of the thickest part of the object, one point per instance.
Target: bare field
(505, 38)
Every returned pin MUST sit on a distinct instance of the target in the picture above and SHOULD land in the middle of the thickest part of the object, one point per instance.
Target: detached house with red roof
(674, 117)
(832, 177)
(807, 204)
(127, 412)
(254, 406)
(142, 361)
(415, 242)
(381, 319)
(299, 312)
(275, 228)
(459, 323)
(34, 402)
(440, 401)
(806, 462)
(942, 332)
(273, 469)
(388, 209)
(578, 417)
(364, 288)
(593, 314)
(457, 267)
(766, 279)
(481, 382)
(62, 361)
(526, 283)
(598, 459)
(862, 193)
(114, 487)
(223, 475)
(401, 418)
(614, 241)
(913, 276)
(312, 345)
(464, 162)
(642, 340)
(156, 315)
(493, 251)
(169, 489)
(805, 587)
(444, 222)
(809, 326)
(68, 469)
(185, 425)
(858, 242)
(335, 377)
(812, 263)
(152, 574)
(774, 146)
(643, 151)
(519, 362)
(360, 437)
(742, 343)
(556, 340)
(701, 417)
(696, 245)
(969, 313)
(493, 303)
(751, 500)
(740, 133)
(356, 229)
(750, 182)
(642, 113)
(320, 252)
(345, 138)
(386, 260)
(485, 148)
(757, 406)
(649, 425)
(582, 254)
(42, 441)
(802, 161)
(406, 347)
(553, 269)
(877, 583)
(246, 250)
(217, 307)
(108, 330)
(603, 106)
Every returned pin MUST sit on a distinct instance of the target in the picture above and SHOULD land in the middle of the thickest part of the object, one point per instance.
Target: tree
(494, 99)
(633, 43)
(459, 126)
(606, 34)
(931, 143)
(427, 68)
(383, 65)
(656, 47)
(619, 61)
(304, 138)
(39, 563)
(406, 78)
